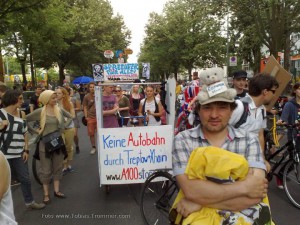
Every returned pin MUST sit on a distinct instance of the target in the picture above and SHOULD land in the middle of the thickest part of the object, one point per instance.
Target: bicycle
(288, 165)
(134, 121)
(157, 196)
(273, 136)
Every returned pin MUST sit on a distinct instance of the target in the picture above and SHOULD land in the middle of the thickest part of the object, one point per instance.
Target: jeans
(22, 173)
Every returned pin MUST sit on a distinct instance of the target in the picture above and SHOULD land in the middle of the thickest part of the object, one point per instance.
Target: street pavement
(88, 204)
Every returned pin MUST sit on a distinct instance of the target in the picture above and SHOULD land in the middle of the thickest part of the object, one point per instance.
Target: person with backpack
(262, 88)
(14, 143)
(152, 107)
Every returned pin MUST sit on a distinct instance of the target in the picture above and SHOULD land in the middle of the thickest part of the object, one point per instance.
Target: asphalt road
(88, 204)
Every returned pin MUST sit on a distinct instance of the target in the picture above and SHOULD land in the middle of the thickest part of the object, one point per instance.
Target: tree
(186, 35)
(273, 23)
(83, 35)
(72, 34)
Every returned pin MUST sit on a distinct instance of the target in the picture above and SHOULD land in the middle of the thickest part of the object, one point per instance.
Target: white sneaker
(93, 151)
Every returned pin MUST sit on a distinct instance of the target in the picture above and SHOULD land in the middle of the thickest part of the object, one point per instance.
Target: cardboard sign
(130, 154)
(216, 88)
(281, 75)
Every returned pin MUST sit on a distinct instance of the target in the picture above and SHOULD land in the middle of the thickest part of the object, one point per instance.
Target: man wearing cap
(239, 83)
(214, 113)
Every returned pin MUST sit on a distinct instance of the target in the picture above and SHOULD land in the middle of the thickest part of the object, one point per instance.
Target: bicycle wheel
(291, 178)
(158, 195)
(35, 166)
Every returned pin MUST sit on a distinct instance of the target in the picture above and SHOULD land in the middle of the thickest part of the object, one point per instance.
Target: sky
(136, 15)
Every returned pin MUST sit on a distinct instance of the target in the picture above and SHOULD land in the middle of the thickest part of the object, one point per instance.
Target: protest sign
(283, 77)
(121, 71)
(130, 154)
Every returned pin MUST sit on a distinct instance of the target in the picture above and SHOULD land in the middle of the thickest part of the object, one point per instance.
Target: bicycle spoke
(291, 183)
(157, 198)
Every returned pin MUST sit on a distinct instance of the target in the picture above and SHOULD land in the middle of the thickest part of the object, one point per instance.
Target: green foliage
(186, 35)
(11, 65)
(265, 22)
(72, 34)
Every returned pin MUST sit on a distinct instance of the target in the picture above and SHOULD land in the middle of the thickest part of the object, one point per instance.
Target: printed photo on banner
(146, 70)
(129, 155)
(98, 72)
(121, 71)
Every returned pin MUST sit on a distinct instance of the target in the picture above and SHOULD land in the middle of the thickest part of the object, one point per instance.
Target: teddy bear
(214, 85)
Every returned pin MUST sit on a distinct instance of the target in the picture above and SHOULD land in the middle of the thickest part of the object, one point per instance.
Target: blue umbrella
(82, 80)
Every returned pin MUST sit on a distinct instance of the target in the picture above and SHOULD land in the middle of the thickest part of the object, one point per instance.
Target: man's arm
(85, 110)
(235, 196)
(261, 139)
(111, 111)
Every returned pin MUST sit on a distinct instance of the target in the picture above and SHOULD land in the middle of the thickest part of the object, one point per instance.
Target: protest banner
(130, 154)
(121, 71)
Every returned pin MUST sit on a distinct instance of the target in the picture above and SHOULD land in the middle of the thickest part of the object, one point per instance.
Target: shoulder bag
(53, 141)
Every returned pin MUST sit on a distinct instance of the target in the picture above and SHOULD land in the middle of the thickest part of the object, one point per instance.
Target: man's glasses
(117, 90)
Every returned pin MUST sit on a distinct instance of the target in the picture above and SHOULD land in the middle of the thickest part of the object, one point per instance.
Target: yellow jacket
(222, 166)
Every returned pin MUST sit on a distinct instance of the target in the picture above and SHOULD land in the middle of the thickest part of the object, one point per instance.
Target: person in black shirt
(34, 104)
(239, 82)
(82, 92)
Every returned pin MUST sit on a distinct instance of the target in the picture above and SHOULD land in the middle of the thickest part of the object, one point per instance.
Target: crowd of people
(56, 114)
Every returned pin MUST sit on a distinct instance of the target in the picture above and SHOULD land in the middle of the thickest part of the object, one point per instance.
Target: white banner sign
(122, 71)
(127, 155)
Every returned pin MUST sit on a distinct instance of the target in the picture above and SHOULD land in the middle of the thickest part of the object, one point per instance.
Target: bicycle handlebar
(132, 117)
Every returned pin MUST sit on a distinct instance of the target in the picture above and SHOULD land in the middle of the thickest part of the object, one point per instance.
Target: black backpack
(244, 116)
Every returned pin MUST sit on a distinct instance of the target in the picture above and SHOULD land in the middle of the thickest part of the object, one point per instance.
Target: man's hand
(268, 166)
(256, 186)
(280, 122)
(186, 207)
(25, 157)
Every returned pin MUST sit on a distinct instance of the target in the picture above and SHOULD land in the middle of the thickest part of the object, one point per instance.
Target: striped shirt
(186, 141)
(16, 144)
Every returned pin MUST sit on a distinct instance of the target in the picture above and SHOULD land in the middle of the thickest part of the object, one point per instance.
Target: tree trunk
(61, 73)
(190, 73)
(256, 60)
(1, 67)
(287, 51)
(23, 69)
(31, 66)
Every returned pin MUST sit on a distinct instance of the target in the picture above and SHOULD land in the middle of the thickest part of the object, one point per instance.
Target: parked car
(26, 105)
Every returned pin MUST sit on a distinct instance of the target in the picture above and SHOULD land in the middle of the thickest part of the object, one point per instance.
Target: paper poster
(98, 72)
(130, 154)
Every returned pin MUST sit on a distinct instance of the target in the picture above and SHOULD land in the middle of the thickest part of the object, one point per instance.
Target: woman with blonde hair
(64, 102)
(52, 121)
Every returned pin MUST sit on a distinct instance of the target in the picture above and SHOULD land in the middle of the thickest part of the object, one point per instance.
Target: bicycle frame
(289, 146)
(292, 152)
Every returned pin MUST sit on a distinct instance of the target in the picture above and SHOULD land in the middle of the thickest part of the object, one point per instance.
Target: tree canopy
(72, 34)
